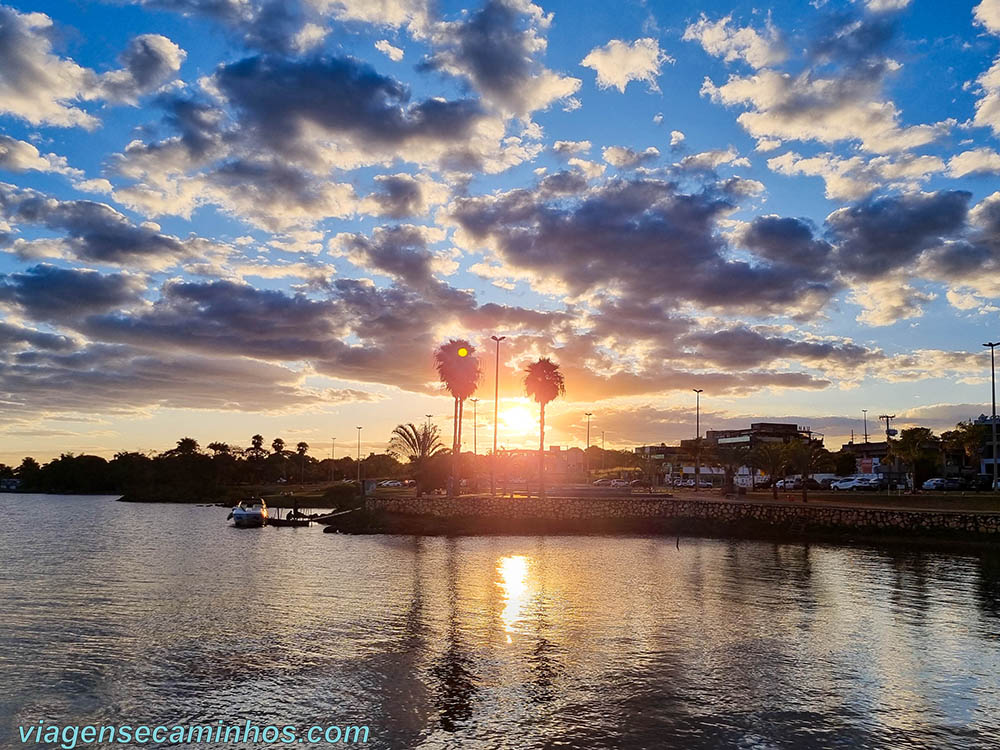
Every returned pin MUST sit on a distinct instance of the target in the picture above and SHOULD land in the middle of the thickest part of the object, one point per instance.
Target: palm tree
(219, 449)
(278, 445)
(185, 446)
(458, 368)
(419, 445)
(301, 448)
(731, 458)
(807, 458)
(916, 445)
(543, 382)
(771, 458)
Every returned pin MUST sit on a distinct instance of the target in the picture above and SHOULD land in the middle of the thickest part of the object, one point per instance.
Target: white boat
(249, 513)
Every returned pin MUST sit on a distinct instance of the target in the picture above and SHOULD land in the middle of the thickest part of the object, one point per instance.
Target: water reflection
(118, 613)
(513, 571)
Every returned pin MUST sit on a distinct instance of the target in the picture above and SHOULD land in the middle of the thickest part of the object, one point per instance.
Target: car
(638, 483)
(935, 483)
(850, 483)
(791, 483)
(704, 483)
(953, 484)
(619, 483)
(602, 483)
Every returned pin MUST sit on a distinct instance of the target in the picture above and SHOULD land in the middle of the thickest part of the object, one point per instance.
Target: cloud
(393, 53)
(49, 293)
(569, 148)
(623, 157)
(676, 138)
(987, 15)
(743, 348)
(91, 231)
(20, 156)
(981, 160)
(709, 160)
(856, 177)
(42, 88)
(640, 239)
(837, 97)
(880, 236)
(402, 195)
(887, 301)
(617, 63)
(149, 61)
(719, 39)
(496, 49)
(786, 240)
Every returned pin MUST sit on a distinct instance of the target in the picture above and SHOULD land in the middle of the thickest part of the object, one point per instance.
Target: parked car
(936, 483)
(602, 483)
(850, 483)
(703, 483)
(639, 483)
(619, 483)
(791, 483)
(953, 484)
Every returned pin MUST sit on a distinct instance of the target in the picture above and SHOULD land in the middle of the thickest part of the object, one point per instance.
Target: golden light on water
(513, 571)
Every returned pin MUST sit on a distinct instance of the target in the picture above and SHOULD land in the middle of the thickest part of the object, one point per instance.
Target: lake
(117, 613)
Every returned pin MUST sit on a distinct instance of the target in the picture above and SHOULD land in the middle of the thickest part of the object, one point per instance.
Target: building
(759, 433)
(868, 457)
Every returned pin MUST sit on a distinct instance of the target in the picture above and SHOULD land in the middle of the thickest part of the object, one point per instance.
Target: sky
(225, 217)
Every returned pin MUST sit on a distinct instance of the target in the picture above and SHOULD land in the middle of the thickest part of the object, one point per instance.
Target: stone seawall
(651, 514)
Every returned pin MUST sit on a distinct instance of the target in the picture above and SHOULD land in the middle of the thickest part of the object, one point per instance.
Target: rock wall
(490, 514)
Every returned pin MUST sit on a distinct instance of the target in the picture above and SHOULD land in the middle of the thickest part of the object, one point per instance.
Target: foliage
(919, 449)
(543, 382)
(771, 457)
(418, 445)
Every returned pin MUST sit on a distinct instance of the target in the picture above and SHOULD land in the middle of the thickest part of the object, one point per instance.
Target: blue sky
(225, 218)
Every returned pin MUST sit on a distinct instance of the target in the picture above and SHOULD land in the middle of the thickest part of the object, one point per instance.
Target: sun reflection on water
(513, 572)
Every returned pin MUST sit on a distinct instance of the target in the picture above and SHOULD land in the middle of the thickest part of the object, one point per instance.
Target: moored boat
(251, 512)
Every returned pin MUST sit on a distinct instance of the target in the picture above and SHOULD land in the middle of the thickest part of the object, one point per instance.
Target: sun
(519, 420)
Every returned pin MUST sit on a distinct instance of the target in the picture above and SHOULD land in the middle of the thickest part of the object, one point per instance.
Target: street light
(603, 462)
(697, 437)
(586, 453)
(428, 420)
(993, 422)
(496, 404)
(865, 412)
(333, 452)
(359, 460)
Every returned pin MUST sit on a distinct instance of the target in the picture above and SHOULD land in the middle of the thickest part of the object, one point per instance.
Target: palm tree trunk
(541, 454)
(458, 462)
(454, 452)
(805, 482)
(774, 479)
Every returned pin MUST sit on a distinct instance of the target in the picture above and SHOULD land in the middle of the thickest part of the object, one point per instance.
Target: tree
(844, 463)
(186, 446)
(301, 448)
(278, 446)
(771, 458)
(219, 449)
(918, 448)
(418, 445)
(28, 472)
(731, 458)
(968, 438)
(807, 458)
(458, 368)
(543, 382)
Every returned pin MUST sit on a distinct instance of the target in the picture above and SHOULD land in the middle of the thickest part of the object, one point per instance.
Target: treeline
(188, 472)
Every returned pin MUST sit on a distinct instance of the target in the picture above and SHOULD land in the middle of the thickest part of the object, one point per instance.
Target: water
(122, 613)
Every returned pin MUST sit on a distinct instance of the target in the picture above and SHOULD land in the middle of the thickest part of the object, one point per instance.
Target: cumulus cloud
(402, 195)
(676, 138)
(838, 97)
(855, 177)
(20, 156)
(712, 159)
(497, 50)
(623, 157)
(981, 160)
(617, 63)
(393, 53)
(90, 231)
(719, 39)
(49, 293)
(42, 88)
(987, 15)
(570, 148)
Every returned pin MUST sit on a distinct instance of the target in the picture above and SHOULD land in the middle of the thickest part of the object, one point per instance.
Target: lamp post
(496, 404)
(993, 421)
(359, 459)
(603, 462)
(333, 455)
(586, 453)
(865, 413)
(428, 420)
(697, 437)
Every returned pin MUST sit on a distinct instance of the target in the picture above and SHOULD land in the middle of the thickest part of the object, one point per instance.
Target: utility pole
(496, 404)
(697, 437)
(865, 412)
(603, 454)
(586, 453)
(428, 420)
(333, 452)
(993, 421)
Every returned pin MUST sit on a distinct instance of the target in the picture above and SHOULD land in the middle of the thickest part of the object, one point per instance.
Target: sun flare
(519, 420)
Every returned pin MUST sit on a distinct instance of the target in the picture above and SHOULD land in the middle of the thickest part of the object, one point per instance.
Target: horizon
(216, 224)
